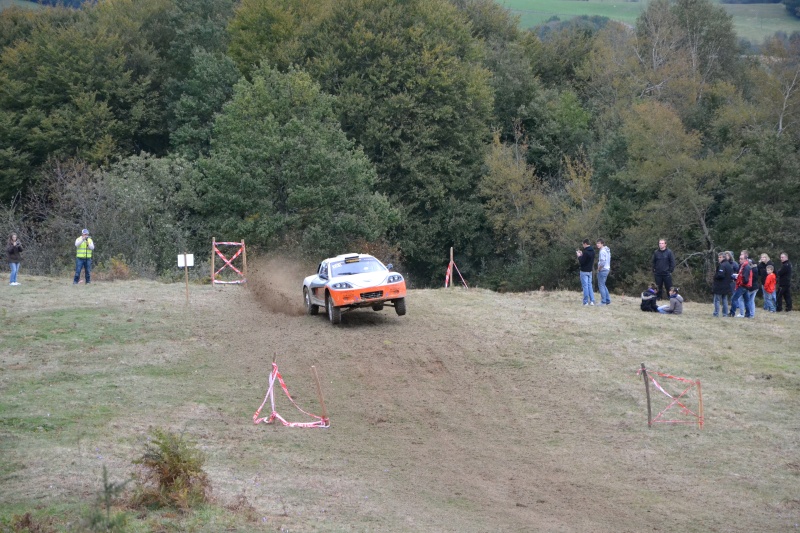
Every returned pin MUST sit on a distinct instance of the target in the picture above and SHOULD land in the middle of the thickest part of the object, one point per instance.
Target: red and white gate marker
(228, 263)
(321, 422)
(675, 398)
(449, 274)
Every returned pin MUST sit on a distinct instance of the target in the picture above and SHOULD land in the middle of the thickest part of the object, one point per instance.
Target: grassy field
(752, 21)
(477, 411)
(21, 3)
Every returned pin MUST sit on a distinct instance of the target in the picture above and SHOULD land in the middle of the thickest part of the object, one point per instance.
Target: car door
(318, 284)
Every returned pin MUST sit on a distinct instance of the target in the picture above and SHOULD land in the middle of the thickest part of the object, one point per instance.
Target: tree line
(401, 127)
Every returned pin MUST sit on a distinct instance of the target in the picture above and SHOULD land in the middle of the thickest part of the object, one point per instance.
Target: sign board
(189, 260)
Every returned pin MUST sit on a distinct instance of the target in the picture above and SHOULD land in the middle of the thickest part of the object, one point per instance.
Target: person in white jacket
(603, 270)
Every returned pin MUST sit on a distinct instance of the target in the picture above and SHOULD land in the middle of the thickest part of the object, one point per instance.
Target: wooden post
(647, 390)
(244, 261)
(186, 273)
(213, 248)
(450, 267)
(319, 393)
(700, 418)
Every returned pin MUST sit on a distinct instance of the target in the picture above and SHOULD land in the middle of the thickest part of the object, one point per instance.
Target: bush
(171, 473)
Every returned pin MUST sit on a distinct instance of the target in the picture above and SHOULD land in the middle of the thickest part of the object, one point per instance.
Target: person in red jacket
(769, 289)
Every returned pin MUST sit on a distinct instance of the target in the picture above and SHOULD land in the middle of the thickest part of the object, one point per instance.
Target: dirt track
(462, 416)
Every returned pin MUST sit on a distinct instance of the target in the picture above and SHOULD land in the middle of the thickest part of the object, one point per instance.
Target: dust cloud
(277, 283)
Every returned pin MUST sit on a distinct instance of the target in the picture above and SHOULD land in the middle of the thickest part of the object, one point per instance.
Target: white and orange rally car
(350, 281)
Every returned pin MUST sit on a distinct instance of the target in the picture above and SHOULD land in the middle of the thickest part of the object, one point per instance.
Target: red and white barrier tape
(320, 423)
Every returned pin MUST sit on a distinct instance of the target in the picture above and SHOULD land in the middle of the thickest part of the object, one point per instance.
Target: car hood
(361, 281)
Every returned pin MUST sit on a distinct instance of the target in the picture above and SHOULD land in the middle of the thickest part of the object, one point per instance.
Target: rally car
(350, 281)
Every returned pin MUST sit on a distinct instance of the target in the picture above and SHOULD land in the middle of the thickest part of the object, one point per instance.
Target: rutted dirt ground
(474, 412)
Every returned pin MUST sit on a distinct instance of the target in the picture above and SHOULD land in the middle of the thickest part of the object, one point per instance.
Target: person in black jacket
(722, 286)
(785, 283)
(14, 252)
(649, 299)
(735, 270)
(586, 260)
(663, 265)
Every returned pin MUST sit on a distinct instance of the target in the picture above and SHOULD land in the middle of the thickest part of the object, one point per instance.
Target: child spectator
(649, 299)
(770, 284)
(675, 306)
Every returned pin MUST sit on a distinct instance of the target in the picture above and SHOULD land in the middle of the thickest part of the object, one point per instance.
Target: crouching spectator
(649, 299)
(675, 306)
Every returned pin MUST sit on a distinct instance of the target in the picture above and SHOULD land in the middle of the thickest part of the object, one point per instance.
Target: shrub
(171, 473)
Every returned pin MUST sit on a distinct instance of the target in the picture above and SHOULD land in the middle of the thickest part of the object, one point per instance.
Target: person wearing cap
(83, 259)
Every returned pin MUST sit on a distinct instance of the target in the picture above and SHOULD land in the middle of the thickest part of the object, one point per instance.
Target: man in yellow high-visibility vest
(83, 259)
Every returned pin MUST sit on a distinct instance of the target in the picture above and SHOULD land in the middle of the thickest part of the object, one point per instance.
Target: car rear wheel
(377, 307)
(311, 309)
(400, 306)
(334, 313)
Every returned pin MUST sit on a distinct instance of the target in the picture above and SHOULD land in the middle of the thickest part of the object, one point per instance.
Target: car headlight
(341, 285)
(395, 278)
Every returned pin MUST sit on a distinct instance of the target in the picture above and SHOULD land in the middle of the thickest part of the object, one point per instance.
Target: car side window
(323, 270)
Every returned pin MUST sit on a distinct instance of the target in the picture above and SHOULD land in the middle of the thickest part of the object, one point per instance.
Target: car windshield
(364, 265)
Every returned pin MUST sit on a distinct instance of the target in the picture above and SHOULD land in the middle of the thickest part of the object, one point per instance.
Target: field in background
(752, 21)
(477, 411)
(21, 3)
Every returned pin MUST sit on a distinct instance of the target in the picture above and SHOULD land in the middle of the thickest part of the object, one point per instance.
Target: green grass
(751, 21)
(479, 411)
(19, 3)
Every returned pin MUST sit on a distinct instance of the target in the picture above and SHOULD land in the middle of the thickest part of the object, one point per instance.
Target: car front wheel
(311, 309)
(377, 307)
(400, 306)
(334, 313)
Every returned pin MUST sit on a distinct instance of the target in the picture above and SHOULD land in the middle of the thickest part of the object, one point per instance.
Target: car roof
(342, 257)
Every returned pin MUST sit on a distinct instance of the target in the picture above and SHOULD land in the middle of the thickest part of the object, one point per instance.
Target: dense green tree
(274, 31)
(203, 92)
(412, 91)
(281, 171)
(66, 91)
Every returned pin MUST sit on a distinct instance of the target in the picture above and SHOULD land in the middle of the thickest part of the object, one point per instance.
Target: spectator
(586, 260)
(14, 252)
(663, 265)
(735, 272)
(83, 258)
(603, 270)
(649, 299)
(769, 289)
(785, 283)
(763, 263)
(746, 279)
(675, 306)
(722, 285)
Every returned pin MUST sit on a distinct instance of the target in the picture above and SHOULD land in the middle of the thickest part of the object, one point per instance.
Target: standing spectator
(663, 265)
(586, 260)
(735, 272)
(649, 299)
(746, 279)
(762, 275)
(83, 259)
(769, 289)
(785, 283)
(722, 285)
(675, 306)
(14, 252)
(603, 270)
